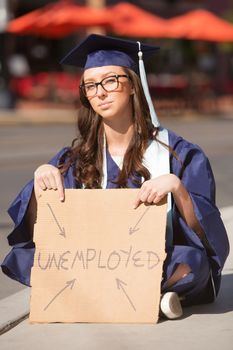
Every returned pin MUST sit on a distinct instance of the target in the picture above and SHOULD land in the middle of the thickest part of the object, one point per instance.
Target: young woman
(118, 146)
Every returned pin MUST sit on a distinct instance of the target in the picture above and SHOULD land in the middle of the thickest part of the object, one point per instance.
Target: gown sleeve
(194, 170)
(17, 264)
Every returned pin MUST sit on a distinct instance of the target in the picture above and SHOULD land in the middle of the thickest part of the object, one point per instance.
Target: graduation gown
(205, 258)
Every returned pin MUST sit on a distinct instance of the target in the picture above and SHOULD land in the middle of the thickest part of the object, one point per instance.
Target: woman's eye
(109, 81)
(89, 87)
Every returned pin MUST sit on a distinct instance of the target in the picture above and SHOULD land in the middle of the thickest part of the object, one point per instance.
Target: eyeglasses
(109, 84)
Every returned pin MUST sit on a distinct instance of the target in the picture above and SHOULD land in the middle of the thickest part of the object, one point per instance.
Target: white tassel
(142, 72)
(105, 175)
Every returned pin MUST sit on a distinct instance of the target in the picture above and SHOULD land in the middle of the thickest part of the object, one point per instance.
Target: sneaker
(170, 305)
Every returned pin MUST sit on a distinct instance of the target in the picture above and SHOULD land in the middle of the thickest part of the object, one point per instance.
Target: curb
(14, 309)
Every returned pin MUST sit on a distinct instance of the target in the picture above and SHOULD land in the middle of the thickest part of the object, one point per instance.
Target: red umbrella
(59, 19)
(23, 23)
(65, 17)
(62, 18)
(130, 20)
(200, 25)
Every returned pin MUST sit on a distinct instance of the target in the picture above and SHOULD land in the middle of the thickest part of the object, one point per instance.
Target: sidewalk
(202, 327)
(61, 115)
(37, 116)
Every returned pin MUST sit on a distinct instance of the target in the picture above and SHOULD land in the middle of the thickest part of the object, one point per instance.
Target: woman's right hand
(48, 177)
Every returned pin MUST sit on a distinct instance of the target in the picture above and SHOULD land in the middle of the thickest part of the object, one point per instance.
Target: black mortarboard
(99, 50)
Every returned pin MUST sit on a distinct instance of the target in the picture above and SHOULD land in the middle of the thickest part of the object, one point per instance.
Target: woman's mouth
(105, 105)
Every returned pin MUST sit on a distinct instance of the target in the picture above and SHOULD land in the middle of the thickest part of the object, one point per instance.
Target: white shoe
(170, 305)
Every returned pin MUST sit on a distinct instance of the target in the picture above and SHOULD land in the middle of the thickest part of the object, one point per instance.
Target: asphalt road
(23, 148)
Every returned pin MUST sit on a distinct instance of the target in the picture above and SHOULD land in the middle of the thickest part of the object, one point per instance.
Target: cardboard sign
(97, 259)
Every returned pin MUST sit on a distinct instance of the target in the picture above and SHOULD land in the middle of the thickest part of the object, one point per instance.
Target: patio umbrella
(130, 20)
(65, 17)
(58, 20)
(62, 18)
(200, 25)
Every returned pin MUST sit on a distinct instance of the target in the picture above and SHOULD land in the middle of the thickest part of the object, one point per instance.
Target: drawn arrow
(120, 285)
(68, 284)
(62, 230)
(135, 228)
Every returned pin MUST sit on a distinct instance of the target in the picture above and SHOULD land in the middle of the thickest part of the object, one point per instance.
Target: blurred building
(6, 95)
(199, 67)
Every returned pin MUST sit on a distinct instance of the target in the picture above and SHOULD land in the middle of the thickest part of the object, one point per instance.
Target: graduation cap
(100, 50)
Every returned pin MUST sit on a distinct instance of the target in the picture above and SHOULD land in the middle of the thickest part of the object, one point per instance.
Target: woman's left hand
(152, 191)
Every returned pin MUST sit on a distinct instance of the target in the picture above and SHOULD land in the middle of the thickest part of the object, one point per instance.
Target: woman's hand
(48, 177)
(152, 191)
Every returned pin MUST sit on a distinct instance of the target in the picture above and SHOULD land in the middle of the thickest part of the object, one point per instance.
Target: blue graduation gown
(204, 258)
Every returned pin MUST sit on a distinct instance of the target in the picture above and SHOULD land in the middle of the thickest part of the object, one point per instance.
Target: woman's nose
(100, 90)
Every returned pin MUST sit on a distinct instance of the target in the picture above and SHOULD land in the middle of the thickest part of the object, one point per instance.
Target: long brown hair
(87, 149)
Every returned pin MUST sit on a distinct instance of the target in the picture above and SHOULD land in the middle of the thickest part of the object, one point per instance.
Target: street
(24, 148)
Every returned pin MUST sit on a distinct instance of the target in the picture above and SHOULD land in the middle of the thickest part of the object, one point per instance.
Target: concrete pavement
(14, 309)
